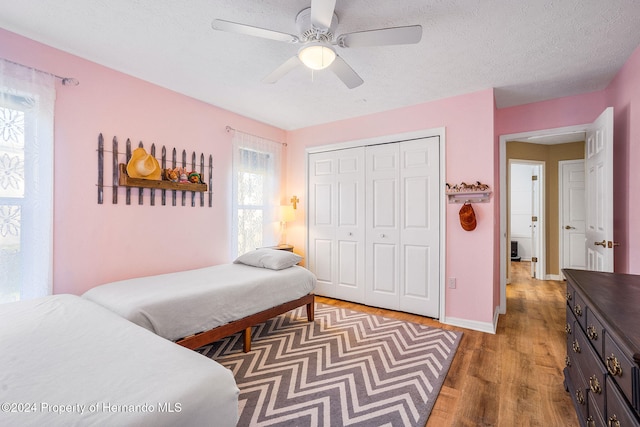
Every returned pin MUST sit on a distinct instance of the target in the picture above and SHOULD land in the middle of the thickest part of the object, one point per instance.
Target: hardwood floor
(512, 378)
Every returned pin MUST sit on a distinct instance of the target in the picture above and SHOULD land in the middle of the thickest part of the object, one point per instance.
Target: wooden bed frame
(245, 324)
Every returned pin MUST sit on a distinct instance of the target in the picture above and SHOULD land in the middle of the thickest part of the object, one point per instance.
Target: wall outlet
(452, 282)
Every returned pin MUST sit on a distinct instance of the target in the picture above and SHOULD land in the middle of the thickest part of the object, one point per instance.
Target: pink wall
(624, 95)
(559, 112)
(469, 157)
(95, 243)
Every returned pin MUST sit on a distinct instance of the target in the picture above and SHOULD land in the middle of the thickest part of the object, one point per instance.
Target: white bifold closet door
(374, 225)
(336, 223)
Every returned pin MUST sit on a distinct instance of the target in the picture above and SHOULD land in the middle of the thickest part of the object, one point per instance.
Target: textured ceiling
(527, 50)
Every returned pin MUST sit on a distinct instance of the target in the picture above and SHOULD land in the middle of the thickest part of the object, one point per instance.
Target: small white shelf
(469, 196)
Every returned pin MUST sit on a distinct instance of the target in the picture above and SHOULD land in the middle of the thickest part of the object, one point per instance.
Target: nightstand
(283, 247)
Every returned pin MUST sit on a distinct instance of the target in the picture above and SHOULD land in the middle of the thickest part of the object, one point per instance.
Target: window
(26, 178)
(256, 182)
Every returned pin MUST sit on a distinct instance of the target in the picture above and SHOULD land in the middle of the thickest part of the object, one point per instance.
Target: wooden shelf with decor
(469, 196)
(126, 181)
(468, 193)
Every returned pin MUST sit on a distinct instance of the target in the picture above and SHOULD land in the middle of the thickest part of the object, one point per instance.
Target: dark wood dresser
(603, 347)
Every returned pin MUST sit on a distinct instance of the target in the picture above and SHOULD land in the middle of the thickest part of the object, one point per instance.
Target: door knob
(383, 236)
(603, 243)
(611, 244)
(568, 227)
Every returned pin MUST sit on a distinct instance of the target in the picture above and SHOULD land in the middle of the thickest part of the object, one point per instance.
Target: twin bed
(68, 360)
(200, 306)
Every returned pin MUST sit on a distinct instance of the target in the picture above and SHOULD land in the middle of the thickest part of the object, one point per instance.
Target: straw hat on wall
(143, 165)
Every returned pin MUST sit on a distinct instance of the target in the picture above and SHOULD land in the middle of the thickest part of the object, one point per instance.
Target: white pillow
(272, 259)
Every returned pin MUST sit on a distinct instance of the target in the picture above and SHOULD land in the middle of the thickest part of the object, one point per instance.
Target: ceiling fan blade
(345, 73)
(322, 13)
(234, 27)
(382, 37)
(280, 72)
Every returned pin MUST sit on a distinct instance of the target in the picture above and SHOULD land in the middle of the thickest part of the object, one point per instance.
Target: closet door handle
(382, 235)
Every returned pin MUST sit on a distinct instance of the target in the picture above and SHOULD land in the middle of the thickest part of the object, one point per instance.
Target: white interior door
(537, 228)
(420, 227)
(336, 223)
(383, 226)
(599, 193)
(572, 214)
(527, 212)
(535, 211)
(520, 206)
(322, 221)
(350, 231)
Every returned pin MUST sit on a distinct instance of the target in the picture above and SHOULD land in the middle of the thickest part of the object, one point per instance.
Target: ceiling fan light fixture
(317, 56)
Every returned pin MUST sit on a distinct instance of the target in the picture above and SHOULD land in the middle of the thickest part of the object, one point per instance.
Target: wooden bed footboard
(245, 324)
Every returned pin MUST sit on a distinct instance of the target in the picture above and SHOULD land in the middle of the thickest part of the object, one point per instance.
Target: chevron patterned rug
(345, 368)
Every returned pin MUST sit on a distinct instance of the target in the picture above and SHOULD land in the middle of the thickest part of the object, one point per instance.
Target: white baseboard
(496, 316)
(473, 324)
(553, 277)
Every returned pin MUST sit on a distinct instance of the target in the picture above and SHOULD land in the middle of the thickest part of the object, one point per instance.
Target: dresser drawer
(618, 411)
(578, 392)
(595, 417)
(595, 332)
(593, 373)
(619, 366)
(569, 327)
(571, 360)
(579, 309)
(576, 342)
(570, 294)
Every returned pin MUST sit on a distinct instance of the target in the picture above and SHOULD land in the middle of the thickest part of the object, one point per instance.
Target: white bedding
(177, 305)
(66, 361)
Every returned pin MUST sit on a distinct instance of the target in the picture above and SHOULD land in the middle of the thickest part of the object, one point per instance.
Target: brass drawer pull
(613, 421)
(580, 397)
(567, 328)
(567, 361)
(577, 310)
(613, 365)
(576, 346)
(569, 297)
(592, 333)
(591, 422)
(594, 385)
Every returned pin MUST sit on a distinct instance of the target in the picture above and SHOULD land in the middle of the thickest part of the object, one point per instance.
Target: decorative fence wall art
(194, 170)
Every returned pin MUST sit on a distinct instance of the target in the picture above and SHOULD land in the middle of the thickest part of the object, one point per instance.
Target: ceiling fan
(316, 25)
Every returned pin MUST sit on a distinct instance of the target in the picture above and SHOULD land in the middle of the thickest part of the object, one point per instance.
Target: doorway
(526, 213)
(549, 146)
(598, 155)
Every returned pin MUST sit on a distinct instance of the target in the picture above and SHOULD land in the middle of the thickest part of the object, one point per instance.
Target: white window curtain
(27, 100)
(256, 193)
